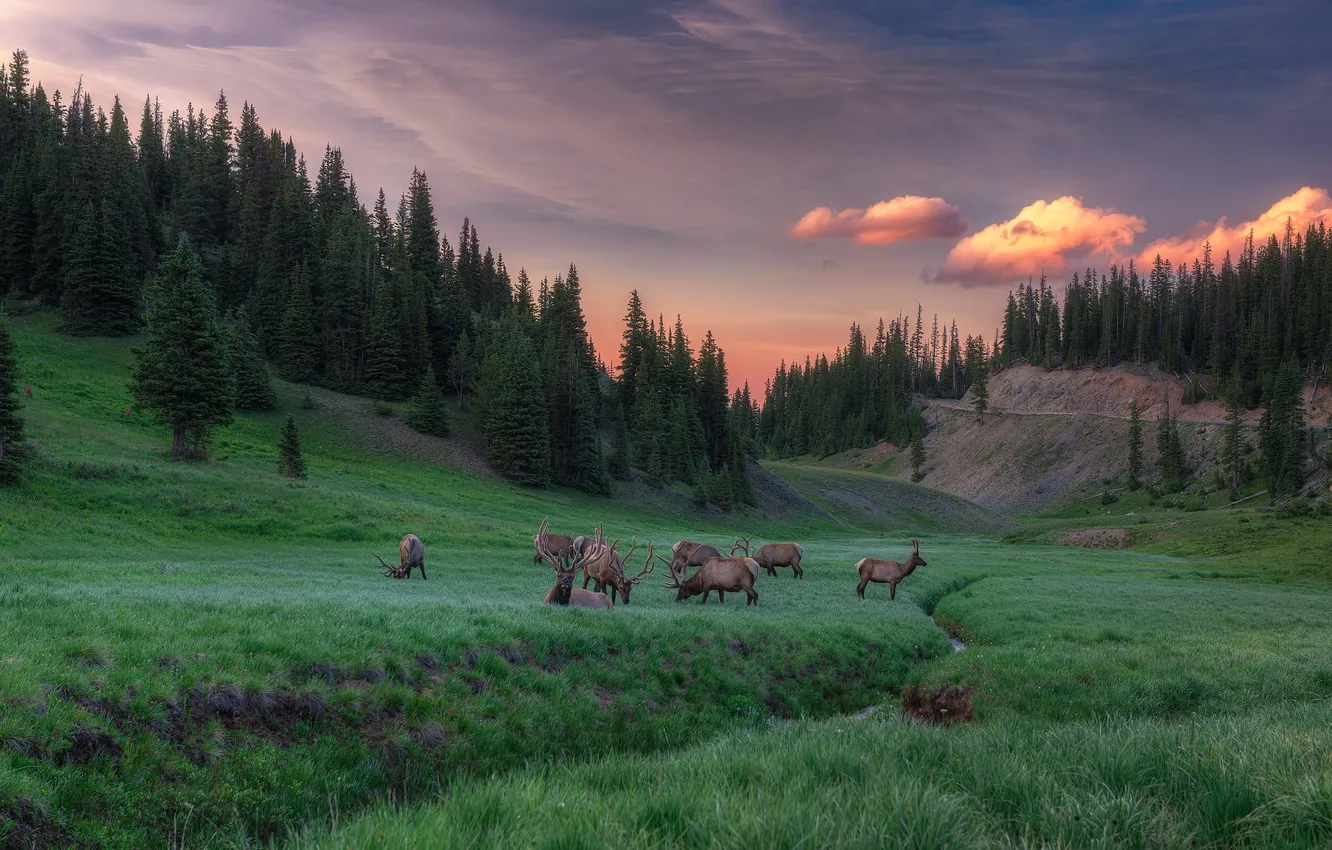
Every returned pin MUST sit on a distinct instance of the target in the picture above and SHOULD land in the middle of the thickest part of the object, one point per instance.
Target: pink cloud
(1305, 207)
(1043, 237)
(907, 217)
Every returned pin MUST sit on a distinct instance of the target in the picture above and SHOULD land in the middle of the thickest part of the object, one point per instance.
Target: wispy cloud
(1043, 237)
(907, 217)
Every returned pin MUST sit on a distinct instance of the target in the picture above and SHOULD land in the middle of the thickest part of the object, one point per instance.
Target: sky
(771, 171)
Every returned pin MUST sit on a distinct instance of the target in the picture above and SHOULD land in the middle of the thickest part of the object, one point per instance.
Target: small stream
(958, 646)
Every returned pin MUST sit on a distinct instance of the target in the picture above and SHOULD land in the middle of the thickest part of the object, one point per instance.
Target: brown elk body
(560, 546)
(27, 391)
(687, 553)
(604, 565)
(566, 565)
(773, 555)
(411, 554)
(720, 574)
(888, 572)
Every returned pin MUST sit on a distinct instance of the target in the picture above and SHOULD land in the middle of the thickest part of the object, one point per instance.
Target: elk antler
(543, 547)
(647, 565)
(390, 570)
(742, 543)
(675, 577)
(916, 543)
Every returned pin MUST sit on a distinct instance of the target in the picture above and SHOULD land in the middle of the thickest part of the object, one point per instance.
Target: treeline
(863, 394)
(1270, 305)
(361, 299)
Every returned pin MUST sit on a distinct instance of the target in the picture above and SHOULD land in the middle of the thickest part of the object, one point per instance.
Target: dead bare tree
(888, 572)
(411, 554)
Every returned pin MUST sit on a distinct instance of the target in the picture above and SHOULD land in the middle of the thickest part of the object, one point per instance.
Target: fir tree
(100, 297)
(291, 464)
(297, 350)
(183, 374)
(517, 436)
(980, 392)
(1169, 451)
(1282, 432)
(917, 458)
(254, 388)
(385, 357)
(1134, 448)
(621, 452)
(428, 413)
(462, 368)
(1232, 452)
(12, 450)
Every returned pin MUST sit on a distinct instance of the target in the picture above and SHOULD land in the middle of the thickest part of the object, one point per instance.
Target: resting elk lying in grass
(412, 554)
(773, 555)
(888, 572)
(566, 566)
(719, 574)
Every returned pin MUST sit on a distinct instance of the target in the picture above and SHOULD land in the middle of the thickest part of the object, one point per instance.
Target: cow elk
(411, 554)
(687, 554)
(566, 565)
(888, 572)
(773, 555)
(720, 574)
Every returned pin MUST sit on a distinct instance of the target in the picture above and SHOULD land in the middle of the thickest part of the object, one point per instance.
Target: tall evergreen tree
(12, 451)
(1169, 450)
(917, 458)
(1232, 452)
(1282, 432)
(428, 413)
(254, 388)
(1134, 448)
(100, 296)
(517, 435)
(297, 350)
(182, 372)
(291, 464)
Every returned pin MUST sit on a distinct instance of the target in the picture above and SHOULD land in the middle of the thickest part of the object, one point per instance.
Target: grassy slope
(275, 680)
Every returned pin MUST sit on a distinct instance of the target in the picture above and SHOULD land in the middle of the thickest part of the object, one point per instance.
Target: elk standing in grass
(687, 553)
(772, 555)
(719, 574)
(888, 572)
(412, 554)
(605, 566)
(559, 546)
(564, 593)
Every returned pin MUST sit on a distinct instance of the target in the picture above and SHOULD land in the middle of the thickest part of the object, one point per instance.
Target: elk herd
(609, 572)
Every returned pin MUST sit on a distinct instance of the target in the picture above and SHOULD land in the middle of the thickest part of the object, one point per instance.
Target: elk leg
(892, 590)
(586, 578)
(705, 596)
(721, 598)
(424, 577)
(860, 588)
(751, 598)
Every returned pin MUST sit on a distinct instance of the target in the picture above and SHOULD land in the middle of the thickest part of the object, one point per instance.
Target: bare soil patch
(942, 705)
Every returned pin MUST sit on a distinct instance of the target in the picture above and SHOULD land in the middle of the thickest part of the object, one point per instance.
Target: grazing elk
(888, 572)
(566, 565)
(605, 566)
(412, 554)
(772, 555)
(687, 553)
(719, 574)
(560, 546)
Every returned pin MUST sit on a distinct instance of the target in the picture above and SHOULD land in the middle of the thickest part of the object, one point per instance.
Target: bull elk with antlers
(720, 574)
(605, 566)
(773, 555)
(888, 572)
(687, 554)
(566, 566)
(411, 554)
(559, 545)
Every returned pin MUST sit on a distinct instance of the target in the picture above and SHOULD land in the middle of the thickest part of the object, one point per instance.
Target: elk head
(741, 543)
(916, 560)
(677, 580)
(390, 570)
(564, 566)
(625, 584)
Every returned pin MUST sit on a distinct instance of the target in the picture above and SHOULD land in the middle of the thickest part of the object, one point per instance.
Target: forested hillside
(303, 275)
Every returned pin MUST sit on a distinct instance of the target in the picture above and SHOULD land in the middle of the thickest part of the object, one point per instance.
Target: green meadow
(205, 655)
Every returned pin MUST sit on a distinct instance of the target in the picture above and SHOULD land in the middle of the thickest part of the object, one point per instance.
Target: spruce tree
(11, 423)
(917, 458)
(1232, 452)
(254, 388)
(517, 435)
(1169, 451)
(462, 368)
(1134, 448)
(621, 452)
(385, 355)
(183, 374)
(291, 464)
(100, 296)
(1283, 432)
(428, 413)
(980, 391)
(297, 349)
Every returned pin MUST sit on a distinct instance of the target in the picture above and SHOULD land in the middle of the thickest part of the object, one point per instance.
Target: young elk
(687, 553)
(888, 572)
(559, 546)
(411, 554)
(719, 574)
(772, 555)
(564, 593)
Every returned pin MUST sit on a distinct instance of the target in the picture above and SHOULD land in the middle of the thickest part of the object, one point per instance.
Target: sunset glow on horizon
(769, 171)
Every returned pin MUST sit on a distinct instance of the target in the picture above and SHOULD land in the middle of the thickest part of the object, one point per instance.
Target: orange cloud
(1305, 207)
(907, 217)
(1043, 237)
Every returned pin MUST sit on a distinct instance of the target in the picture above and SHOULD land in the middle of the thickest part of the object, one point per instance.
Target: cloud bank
(1303, 208)
(1043, 237)
(907, 217)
